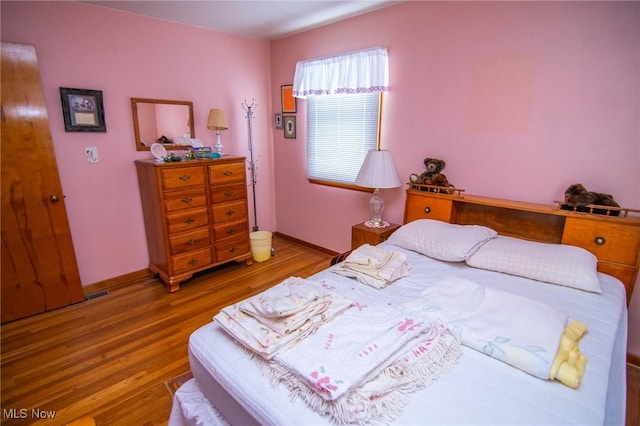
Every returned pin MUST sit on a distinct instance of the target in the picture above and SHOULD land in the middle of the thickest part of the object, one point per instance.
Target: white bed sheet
(479, 390)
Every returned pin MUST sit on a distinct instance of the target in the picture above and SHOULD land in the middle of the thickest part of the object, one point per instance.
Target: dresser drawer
(222, 174)
(613, 242)
(229, 212)
(186, 221)
(191, 261)
(230, 249)
(223, 194)
(419, 207)
(183, 177)
(189, 241)
(183, 200)
(231, 230)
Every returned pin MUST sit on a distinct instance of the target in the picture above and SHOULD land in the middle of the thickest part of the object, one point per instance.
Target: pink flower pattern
(408, 325)
(323, 383)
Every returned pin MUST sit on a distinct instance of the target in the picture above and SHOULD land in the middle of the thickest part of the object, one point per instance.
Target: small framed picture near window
(82, 110)
(288, 101)
(289, 124)
(277, 120)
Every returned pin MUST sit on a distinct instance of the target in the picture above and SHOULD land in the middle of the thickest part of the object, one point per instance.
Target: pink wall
(521, 99)
(126, 55)
(541, 93)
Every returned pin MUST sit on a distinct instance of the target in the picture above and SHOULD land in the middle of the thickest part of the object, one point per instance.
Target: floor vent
(96, 294)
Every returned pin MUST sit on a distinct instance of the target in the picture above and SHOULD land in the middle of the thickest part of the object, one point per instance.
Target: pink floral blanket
(362, 365)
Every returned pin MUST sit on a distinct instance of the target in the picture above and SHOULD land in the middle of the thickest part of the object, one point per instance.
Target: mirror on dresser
(162, 121)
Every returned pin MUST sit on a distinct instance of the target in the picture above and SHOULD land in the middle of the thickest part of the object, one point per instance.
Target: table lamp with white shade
(378, 171)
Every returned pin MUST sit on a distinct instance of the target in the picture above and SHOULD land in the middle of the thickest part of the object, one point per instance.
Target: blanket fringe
(359, 406)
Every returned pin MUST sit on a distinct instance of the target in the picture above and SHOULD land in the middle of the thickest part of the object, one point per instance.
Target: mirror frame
(136, 123)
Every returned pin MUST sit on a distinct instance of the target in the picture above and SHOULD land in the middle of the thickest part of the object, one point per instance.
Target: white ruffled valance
(363, 71)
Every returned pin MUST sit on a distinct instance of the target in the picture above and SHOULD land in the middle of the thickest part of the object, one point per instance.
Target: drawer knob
(427, 210)
(189, 220)
(230, 212)
(231, 231)
(232, 250)
(191, 242)
(228, 193)
(187, 200)
(600, 241)
(193, 262)
(185, 178)
(227, 173)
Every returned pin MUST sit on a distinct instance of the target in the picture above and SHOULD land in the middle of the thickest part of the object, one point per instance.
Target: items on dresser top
(158, 151)
(196, 215)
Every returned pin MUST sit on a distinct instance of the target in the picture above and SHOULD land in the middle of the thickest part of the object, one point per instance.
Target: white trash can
(260, 242)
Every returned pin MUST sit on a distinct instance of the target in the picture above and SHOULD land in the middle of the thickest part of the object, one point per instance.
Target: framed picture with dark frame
(289, 124)
(288, 101)
(82, 110)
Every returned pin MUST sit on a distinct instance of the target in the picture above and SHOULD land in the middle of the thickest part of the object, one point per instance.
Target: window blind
(341, 129)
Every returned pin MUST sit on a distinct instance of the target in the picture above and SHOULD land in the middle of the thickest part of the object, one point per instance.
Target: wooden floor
(108, 358)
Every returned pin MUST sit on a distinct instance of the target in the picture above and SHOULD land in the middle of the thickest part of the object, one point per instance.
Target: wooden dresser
(615, 241)
(195, 215)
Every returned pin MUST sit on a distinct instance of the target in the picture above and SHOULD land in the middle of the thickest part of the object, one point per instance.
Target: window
(341, 129)
(344, 95)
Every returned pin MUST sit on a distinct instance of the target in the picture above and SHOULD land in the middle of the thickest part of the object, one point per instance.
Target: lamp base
(376, 206)
(218, 146)
(375, 224)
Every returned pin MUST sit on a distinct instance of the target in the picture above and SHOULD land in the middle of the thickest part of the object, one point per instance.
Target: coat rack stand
(252, 165)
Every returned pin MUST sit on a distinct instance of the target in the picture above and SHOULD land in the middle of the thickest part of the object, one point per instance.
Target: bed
(231, 386)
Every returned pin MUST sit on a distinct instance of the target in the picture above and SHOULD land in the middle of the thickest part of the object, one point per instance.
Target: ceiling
(264, 19)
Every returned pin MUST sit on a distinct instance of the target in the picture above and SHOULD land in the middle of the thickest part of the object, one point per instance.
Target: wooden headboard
(615, 241)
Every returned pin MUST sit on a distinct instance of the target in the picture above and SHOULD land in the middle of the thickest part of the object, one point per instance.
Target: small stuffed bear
(577, 196)
(432, 175)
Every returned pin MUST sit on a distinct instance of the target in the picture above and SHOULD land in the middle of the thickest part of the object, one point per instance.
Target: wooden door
(39, 270)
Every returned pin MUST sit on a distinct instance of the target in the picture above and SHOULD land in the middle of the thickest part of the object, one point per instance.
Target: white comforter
(522, 332)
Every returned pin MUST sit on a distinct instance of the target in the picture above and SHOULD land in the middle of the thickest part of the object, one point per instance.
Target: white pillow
(561, 264)
(441, 240)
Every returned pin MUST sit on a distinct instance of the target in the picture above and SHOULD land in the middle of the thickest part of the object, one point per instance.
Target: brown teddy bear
(576, 196)
(432, 176)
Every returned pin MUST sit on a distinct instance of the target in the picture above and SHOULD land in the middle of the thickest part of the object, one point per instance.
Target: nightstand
(362, 234)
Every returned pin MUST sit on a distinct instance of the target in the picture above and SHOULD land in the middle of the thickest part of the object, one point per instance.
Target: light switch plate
(91, 153)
